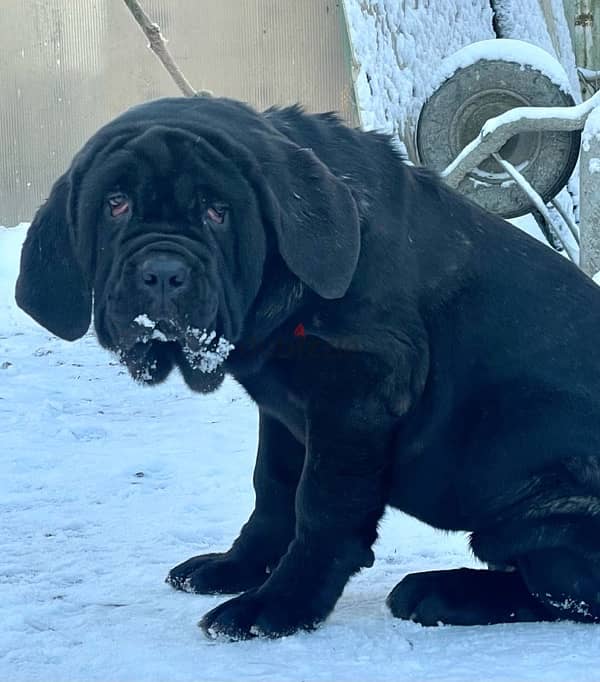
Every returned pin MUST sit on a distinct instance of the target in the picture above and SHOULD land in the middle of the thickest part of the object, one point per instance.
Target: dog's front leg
(340, 499)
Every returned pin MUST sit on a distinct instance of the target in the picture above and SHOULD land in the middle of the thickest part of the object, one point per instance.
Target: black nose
(164, 276)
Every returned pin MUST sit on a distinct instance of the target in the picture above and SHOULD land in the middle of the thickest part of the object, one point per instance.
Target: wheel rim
(519, 150)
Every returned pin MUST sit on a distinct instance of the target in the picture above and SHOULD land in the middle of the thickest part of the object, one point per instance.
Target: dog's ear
(51, 286)
(318, 230)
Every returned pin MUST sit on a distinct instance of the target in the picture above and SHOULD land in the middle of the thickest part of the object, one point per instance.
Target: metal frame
(494, 135)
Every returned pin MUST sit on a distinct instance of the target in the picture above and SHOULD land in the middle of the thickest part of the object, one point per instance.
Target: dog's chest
(281, 389)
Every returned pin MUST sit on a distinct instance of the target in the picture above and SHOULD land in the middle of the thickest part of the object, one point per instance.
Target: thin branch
(566, 216)
(497, 131)
(158, 45)
(536, 200)
(589, 79)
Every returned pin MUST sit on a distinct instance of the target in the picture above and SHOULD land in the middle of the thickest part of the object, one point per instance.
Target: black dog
(404, 348)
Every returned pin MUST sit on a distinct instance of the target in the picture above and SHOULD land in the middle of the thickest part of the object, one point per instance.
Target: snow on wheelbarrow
(476, 84)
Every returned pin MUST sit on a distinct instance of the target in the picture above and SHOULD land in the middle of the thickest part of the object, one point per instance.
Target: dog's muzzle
(161, 312)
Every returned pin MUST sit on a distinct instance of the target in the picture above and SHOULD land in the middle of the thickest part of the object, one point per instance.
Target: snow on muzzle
(203, 350)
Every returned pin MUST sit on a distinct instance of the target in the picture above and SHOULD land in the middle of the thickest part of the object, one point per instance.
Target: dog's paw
(464, 596)
(421, 598)
(216, 574)
(255, 614)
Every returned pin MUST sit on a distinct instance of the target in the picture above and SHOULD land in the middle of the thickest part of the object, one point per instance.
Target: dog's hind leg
(565, 581)
(464, 596)
(557, 556)
(556, 577)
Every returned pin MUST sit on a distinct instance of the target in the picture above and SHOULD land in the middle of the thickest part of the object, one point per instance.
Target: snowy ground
(104, 485)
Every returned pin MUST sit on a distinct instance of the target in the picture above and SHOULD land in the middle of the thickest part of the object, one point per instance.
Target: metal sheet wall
(68, 66)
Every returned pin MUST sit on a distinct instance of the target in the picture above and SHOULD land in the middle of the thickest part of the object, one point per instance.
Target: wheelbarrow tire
(454, 114)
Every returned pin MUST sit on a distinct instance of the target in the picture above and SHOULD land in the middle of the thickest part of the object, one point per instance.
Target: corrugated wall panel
(68, 66)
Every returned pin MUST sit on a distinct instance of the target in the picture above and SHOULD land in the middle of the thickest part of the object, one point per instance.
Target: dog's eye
(118, 204)
(217, 213)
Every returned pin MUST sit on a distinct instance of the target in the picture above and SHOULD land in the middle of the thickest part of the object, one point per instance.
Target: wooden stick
(158, 45)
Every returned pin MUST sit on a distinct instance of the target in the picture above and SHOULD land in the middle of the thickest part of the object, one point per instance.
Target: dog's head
(168, 220)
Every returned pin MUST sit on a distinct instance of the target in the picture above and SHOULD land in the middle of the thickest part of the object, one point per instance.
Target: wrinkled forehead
(160, 159)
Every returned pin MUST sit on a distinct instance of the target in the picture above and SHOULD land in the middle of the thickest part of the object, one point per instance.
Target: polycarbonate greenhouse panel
(68, 66)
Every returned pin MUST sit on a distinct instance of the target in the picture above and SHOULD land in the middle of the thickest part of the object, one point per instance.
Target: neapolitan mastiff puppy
(404, 348)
